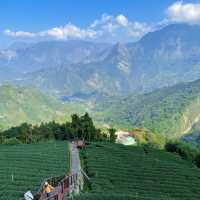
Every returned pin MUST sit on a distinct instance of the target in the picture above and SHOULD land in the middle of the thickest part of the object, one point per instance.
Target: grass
(24, 167)
(119, 172)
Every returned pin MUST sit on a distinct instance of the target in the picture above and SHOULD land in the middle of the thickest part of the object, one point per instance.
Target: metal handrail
(49, 180)
(85, 175)
(57, 192)
(66, 184)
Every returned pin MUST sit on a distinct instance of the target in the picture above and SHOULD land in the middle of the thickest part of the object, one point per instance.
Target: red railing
(62, 189)
(64, 186)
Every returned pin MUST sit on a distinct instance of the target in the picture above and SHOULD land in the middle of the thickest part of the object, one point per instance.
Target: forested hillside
(20, 104)
(171, 111)
(193, 135)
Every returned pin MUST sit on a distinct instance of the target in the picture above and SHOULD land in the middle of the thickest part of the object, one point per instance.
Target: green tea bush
(125, 172)
(25, 166)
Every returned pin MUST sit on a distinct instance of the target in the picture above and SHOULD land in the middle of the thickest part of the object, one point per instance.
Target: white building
(124, 138)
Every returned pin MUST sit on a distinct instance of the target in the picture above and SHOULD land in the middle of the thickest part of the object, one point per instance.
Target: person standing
(48, 189)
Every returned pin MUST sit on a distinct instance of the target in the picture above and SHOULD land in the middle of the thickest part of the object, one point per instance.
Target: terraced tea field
(122, 173)
(24, 167)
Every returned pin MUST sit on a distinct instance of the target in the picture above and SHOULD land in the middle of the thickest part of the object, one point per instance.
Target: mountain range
(152, 83)
(22, 58)
(161, 58)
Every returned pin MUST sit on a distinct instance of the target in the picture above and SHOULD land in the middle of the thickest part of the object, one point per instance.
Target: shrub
(12, 141)
(197, 160)
(154, 140)
(185, 150)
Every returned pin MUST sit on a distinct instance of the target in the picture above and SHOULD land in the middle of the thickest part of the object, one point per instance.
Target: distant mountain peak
(118, 50)
(119, 57)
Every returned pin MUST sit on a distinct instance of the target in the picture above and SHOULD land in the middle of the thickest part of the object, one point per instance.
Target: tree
(112, 132)
(79, 127)
(69, 134)
(88, 129)
(75, 124)
(24, 132)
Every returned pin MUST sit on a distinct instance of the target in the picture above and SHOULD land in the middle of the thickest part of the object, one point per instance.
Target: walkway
(71, 184)
(75, 170)
(74, 159)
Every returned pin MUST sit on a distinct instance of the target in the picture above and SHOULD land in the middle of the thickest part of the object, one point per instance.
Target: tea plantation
(122, 173)
(24, 167)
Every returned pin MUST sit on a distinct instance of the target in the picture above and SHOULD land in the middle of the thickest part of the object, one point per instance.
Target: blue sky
(42, 14)
(111, 20)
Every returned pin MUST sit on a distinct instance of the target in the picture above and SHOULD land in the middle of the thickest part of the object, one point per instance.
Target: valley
(107, 109)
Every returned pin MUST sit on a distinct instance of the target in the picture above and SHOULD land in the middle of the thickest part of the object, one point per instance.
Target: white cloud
(103, 20)
(122, 20)
(137, 29)
(114, 28)
(109, 23)
(70, 31)
(180, 12)
(109, 26)
(19, 34)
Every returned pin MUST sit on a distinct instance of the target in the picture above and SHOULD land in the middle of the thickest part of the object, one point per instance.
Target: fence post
(56, 197)
(62, 186)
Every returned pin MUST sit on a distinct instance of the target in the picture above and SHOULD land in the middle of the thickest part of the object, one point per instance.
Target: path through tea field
(24, 167)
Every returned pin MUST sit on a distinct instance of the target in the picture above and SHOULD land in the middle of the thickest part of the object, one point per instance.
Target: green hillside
(123, 172)
(193, 135)
(171, 110)
(22, 104)
(24, 167)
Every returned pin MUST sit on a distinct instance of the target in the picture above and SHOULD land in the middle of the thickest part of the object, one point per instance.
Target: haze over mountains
(161, 58)
(143, 84)
(21, 58)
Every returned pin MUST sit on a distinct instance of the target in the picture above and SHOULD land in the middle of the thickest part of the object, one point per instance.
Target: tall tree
(112, 132)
